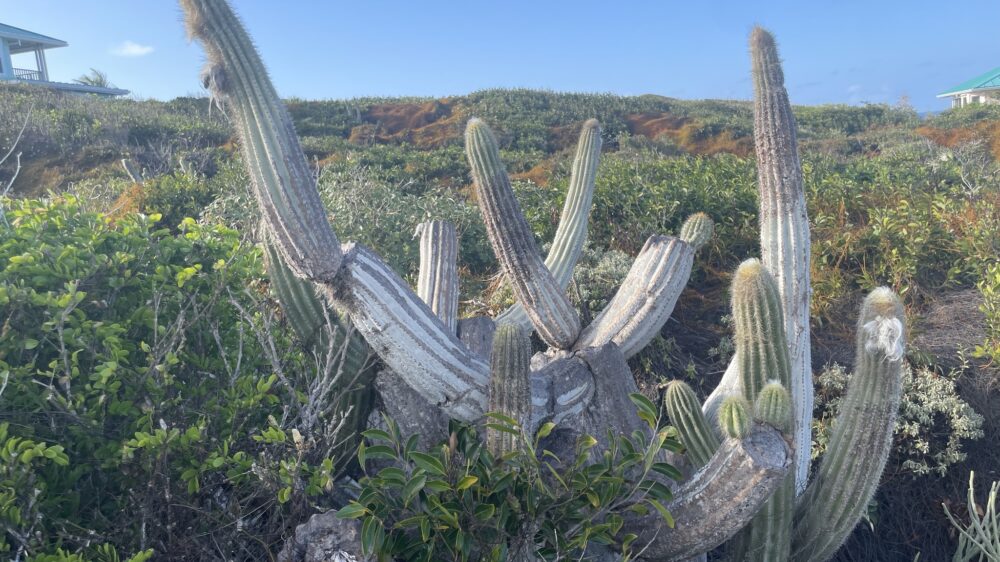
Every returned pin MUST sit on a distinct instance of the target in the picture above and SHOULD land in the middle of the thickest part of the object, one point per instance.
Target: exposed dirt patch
(538, 175)
(988, 131)
(426, 125)
(951, 324)
(690, 135)
(51, 173)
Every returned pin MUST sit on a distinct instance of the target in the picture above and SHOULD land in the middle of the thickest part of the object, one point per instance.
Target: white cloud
(131, 49)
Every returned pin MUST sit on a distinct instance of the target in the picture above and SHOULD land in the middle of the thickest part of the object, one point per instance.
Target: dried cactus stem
(545, 302)
(862, 436)
(572, 232)
(437, 278)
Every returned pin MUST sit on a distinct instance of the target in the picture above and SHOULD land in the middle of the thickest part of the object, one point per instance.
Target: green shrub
(459, 502)
(153, 396)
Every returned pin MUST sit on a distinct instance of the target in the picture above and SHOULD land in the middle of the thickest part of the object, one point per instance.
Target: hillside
(893, 199)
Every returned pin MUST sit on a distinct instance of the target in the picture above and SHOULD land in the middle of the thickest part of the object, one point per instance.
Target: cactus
(582, 380)
(509, 392)
(862, 433)
(774, 406)
(572, 232)
(437, 278)
(697, 230)
(685, 413)
(734, 417)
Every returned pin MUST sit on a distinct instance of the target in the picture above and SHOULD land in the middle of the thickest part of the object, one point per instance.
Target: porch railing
(25, 74)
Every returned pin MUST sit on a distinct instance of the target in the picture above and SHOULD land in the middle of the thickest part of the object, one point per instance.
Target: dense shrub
(153, 397)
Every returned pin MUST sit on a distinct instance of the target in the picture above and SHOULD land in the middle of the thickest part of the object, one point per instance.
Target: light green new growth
(774, 406)
(684, 411)
(509, 386)
(697, 230)
(734, 417)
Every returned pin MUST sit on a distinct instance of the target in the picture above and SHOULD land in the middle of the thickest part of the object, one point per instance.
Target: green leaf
(413, 487)
(663, 512)
(353, 510)
(30, 343)
(380, 452)
(466, 482)
(377, 435)
(668, 470)
(504, 428)
(545, 430)
(485, 511)
(427, 462)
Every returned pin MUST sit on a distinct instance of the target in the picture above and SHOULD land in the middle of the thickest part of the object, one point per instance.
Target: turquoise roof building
(17, 41)
(984, 88)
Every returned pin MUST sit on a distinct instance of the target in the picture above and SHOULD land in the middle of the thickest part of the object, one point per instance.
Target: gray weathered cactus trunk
(582, 381)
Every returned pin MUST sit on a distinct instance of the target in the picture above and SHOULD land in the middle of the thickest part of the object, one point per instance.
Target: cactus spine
(862, 434)
(437, 278)
(697, 230)
(572, 232)
(545, 302)
(774, 406)
(684, 411)
(509, 386)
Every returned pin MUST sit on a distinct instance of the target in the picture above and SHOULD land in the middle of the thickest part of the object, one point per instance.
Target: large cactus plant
(582, 381)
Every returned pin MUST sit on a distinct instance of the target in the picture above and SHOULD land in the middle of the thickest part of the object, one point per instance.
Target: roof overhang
(969, 91)
(22, 40)
(75, 88)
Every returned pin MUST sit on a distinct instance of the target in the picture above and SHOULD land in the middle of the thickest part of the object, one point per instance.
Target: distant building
(15, 41)
(981, 89)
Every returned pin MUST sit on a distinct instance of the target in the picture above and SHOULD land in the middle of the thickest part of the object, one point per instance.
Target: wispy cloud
(131, 49)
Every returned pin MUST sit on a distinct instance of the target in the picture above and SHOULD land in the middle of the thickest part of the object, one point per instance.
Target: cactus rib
(685, 414)
(509, 387)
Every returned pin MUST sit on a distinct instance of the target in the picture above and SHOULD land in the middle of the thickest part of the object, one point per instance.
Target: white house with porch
(984, 88)
(17, 41)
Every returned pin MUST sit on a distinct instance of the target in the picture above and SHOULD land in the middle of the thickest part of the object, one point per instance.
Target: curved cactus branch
(646, 298)
(437, 279)
(572, 232)
(279, 172)
(545, 302)
(409, 338)
(718, 500)
(862, 434)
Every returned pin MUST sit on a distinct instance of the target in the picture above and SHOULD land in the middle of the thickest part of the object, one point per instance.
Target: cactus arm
(862, 435)
(509, 388)
(784, 228)
(646, 298)
(437, 279)
(718, 500)
(685, 414)
(409, 338)
(283, 184)
(572, 232)
(697, 230)
(545, 302)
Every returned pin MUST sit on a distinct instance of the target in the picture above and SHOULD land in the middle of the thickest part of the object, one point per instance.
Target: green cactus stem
(697, 230)
(734, 417)
(761, 348)
(862, 433)
(572, 232)
(510, 392)
(545, 302)
(774, 406)
(685, 414)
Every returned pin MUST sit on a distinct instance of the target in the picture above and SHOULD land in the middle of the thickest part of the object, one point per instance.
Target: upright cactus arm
(718, 500)
(862, 434)
(684, 411)
(437, 278)
(645, 299)
(784, 228)
(784, 236)
(572, 232)
(510, 393)
(544, 300)
(280, 175)
(406, 334)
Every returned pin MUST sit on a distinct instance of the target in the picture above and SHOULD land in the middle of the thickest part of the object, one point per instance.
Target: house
(17, 41)
(984, 88)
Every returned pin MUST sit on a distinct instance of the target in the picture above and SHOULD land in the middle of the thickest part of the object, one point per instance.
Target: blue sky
(843, 51)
